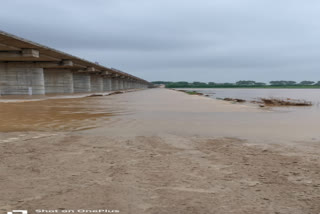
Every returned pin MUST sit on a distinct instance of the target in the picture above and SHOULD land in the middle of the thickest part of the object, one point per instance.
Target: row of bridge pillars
(32, 81)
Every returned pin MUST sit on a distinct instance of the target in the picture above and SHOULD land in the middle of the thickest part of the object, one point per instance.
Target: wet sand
(158, 151)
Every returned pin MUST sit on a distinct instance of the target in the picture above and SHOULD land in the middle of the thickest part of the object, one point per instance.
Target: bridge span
(28, 68)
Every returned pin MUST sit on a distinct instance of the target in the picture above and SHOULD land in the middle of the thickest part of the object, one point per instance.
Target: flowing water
(312, 95)
(57, 114)
(161, 111)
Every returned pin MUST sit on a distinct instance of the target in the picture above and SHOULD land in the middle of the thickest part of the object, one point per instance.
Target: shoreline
(26, 98)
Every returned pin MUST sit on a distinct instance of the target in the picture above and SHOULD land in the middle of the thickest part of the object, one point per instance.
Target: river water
(161, 111)
(312, 95)
(63, 114)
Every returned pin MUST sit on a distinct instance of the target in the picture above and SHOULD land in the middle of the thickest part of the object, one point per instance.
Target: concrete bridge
(28, 68)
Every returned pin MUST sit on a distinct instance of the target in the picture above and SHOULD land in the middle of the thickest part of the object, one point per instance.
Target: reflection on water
(57, 114)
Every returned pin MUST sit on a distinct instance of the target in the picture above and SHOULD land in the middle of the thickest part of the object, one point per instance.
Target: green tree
(160, 82)
(245, 82)
(200, 84)
(291, 83)
(260, 84)
(282, 83)
(306, 82)
(317, 83)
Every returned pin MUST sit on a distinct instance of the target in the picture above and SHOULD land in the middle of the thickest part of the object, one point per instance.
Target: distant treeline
(241, 84)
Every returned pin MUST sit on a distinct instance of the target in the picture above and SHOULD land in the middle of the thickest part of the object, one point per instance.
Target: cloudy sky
(203, 40)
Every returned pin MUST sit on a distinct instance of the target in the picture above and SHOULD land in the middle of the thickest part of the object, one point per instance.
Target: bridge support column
(124, 86)
(114, 84)
(58, 81)
(24, 81)
(107, 84)
(96, 82)
(120, 84)
(81, 82)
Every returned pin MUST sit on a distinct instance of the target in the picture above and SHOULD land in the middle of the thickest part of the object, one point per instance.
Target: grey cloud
(203, 40)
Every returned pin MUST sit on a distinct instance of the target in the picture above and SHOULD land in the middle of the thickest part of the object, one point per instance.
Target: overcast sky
(203, 40)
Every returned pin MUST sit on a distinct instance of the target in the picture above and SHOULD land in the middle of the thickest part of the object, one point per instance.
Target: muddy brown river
(161, 111)
(58, 114)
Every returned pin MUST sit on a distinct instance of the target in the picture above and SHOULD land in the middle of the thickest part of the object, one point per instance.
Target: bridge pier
(120, 84)
(107, 84)
(114, 84)
(123, 80)
(128, 84)
(21, 80)
(81, 82)
(96, 82)
(123, 84)
(58, 81)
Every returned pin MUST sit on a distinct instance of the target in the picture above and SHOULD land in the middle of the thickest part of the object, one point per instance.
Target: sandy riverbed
(157, 151)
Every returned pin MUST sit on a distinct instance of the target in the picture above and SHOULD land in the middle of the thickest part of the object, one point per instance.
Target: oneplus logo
(18, 211)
